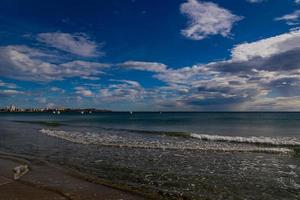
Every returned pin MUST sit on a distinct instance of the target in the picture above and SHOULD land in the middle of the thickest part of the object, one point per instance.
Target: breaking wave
(206, 142)
(274, 141)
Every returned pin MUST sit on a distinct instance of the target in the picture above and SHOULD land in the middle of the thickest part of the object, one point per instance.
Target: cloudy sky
(151, 55)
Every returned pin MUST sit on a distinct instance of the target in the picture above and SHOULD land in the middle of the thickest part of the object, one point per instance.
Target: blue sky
(151, 55)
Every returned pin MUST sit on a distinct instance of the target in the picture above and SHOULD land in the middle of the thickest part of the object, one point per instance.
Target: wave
(274, 141)
(88, 138)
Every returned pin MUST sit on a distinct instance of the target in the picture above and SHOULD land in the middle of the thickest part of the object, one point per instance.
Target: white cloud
(21, 62)
(297, 1)
(25, 63)
(266, 47)
(91, 78)
(10, 92)
(144, 66)
(291, 19)
(79, 64)
(207, 18)
(260, 74)
(8, 85)
(126, 90)
(56, 89)
(257, 72)
(129, 82)
(77, 44)
(83, 91)
(255, 1)
(83, 69)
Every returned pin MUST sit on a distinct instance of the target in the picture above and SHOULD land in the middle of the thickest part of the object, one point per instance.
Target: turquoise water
(178, 155)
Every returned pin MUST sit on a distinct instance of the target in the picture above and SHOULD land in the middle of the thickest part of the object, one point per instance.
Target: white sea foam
(88, 138)
(278, 141)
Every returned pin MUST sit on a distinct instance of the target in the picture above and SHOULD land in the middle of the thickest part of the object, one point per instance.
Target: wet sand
(45, 182)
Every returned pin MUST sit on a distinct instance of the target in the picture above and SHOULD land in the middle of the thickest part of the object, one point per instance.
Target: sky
(151, 55)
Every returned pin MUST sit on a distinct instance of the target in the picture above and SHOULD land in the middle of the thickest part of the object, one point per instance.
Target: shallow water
(219, 155)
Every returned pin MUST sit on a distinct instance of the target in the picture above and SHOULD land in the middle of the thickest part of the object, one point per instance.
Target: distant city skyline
(134, 55)
(54, 110)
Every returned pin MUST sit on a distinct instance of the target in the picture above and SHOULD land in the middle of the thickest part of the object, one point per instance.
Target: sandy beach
(44, 182)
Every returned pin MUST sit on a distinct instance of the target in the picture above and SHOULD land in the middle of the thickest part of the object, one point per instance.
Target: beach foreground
(44, 182)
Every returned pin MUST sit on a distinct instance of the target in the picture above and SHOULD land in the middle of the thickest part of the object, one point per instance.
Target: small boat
(82, 112)
(54, 112)
(131, 112)
(58, 112)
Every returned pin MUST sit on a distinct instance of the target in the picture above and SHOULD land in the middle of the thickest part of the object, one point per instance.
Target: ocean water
(177, 155)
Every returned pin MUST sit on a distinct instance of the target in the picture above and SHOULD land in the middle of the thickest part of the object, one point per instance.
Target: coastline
(47, 181)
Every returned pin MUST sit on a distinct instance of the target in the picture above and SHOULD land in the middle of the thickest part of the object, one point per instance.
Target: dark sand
(45, 182)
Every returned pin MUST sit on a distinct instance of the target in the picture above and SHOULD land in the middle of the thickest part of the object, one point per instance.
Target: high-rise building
(12, 108)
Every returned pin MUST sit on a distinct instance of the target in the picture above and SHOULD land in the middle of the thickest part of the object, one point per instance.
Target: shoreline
(48, 181)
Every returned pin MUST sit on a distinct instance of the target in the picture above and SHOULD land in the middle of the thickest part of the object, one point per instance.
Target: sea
(171, 155)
